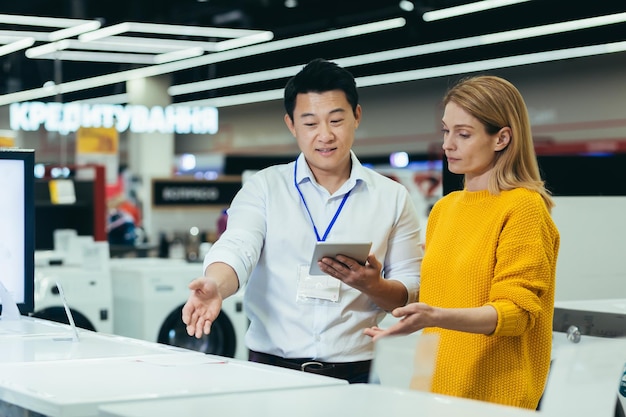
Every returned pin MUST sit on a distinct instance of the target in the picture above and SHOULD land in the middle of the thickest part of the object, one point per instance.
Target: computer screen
(49, 216)
(17, 230)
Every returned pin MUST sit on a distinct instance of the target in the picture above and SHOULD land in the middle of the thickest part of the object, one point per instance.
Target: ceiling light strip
(18, 34)
(169, 67)
(469, 8)
(235, 100)
(46, 49)
(155, 46)
(16, 46)
(55, 22)
(207, 32)
(244, 41)
(59, 51)
(178, 55)
(491, 64)
(265, 47)
(73, 31)
(105, 32)
(249, 78)
(64, 55)
(136, 44)
(554, 28)
(407, 52)
(121, 98)
(160, 29)
(426, 73)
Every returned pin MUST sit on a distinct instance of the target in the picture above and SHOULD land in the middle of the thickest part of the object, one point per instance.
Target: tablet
(357, 251)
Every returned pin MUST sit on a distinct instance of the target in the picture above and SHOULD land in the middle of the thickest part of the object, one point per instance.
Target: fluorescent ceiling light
(48, 51)
(410, 51)
(178, 55)
(112, 99)
(53, 22)
(16, 46)
(92, 38)
(96, 57)
(406, 5)
(159, 29)
(47, 48)
(150, 71)
(73, 31)
(249, 78)
(427, 73)
(69, 27)
(555, 28)
(105, 32)
(244, 41)
(490, 64)
(183, 30)
(10, 39)
(235, 100)
(140, 45)
(18, 34)
(467, 9)
(179, 49)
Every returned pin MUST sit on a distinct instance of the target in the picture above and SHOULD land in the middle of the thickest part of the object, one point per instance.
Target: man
(275, 221)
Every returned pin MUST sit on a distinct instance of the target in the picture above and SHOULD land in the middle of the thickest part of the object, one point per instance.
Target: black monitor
(17, 229)
(78, 216)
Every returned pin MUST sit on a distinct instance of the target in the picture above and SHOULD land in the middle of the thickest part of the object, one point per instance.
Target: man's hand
(202, 307)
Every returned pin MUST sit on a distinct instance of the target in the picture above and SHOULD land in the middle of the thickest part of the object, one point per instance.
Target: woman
(488, 274)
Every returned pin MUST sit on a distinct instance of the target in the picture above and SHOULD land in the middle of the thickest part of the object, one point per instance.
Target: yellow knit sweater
(497, 250)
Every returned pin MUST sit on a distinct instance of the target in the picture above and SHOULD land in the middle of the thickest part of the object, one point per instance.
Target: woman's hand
(415, 316)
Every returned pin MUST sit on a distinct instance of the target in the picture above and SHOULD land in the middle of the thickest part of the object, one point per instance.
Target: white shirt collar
(357, 173)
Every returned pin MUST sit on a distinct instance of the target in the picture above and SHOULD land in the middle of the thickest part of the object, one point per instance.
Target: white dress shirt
(270, 236)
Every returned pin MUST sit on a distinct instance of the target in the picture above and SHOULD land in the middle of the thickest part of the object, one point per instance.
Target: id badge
(321, 287)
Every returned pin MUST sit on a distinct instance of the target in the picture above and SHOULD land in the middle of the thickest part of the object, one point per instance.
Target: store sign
(69, 117)
(193, 193)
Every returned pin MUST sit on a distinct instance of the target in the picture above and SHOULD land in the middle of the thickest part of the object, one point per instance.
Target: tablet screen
(357, 251)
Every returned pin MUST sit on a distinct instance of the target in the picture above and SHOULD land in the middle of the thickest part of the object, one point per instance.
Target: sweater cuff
(507, 318)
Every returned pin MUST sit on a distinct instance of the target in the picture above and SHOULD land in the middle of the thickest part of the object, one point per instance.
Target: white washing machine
(81, 266)
(88, 293)
(148, 297)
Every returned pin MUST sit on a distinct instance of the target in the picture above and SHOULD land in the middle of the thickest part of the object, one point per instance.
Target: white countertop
(43, 370)
(32, 326)
(362, 400)
(77, 387)
(583, 382)
(90, 345)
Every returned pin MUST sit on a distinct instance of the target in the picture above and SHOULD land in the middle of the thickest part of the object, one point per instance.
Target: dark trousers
(353, 372)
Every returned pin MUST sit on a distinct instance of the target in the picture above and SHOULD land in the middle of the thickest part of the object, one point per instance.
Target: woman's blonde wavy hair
(497, 103)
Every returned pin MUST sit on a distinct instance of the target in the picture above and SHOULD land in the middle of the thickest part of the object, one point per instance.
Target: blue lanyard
(332, 222)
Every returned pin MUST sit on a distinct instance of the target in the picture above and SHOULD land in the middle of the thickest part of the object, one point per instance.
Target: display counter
(45, 371)
(362, 400)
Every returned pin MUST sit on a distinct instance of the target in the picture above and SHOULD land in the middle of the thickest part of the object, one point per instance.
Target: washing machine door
(58, 315)
(221, 341)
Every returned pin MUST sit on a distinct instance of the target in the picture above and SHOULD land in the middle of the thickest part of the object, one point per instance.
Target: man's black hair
(320, 76)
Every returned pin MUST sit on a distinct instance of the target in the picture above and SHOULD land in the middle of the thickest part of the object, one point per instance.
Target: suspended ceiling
(310, 16)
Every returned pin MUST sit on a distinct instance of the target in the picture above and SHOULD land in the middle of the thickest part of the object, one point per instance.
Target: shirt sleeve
(405, 252)
(240, 245)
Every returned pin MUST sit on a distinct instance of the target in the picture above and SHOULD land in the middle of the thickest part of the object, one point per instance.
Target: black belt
(350, 371)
